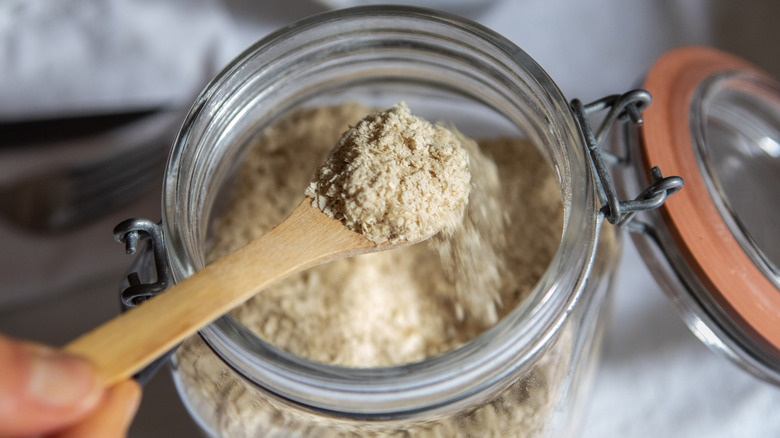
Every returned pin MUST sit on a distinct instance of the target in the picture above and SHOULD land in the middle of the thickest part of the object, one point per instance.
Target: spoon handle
(126, 344)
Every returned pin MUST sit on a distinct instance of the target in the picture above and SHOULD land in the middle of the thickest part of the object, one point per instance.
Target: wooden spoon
(308, 237)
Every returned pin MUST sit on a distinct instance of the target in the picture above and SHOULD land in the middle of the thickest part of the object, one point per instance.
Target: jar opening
(445, 68)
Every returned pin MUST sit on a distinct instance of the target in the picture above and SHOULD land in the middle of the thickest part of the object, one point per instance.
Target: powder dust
(392, 307)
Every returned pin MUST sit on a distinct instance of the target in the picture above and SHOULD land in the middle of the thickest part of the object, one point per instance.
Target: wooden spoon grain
(308, 237)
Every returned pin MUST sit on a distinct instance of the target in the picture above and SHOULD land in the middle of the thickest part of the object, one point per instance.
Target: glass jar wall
(524, 376)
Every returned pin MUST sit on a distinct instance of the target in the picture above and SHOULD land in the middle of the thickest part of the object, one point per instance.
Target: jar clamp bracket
(625, 107)
(131, 232)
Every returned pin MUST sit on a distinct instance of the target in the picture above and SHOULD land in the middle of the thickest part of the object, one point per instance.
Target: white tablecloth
(656, 378)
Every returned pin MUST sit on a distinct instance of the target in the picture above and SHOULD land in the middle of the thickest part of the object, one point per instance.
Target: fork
(65, 198)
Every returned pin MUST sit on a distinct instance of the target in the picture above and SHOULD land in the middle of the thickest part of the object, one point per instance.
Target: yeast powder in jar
(491, 332)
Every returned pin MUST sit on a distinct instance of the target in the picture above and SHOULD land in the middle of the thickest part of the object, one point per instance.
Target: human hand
(45, 392)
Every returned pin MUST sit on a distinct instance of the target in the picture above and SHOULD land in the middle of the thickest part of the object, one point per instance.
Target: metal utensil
(118, 159)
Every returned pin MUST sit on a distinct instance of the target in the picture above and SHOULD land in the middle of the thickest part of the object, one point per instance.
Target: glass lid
(715, 121)
(736, 134)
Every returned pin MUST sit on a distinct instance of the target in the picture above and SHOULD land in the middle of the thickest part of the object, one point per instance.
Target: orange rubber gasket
(699, 231)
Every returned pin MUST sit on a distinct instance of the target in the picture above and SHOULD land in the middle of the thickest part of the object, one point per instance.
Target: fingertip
(113, 417)
(62, 381)
(42, 389)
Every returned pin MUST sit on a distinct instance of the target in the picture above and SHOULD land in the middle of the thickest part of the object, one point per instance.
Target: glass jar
(526, 376)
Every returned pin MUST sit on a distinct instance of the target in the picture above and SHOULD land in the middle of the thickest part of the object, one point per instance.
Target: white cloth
(85, 55)
(656, 378)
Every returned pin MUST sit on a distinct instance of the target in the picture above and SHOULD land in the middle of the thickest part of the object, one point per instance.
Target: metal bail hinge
(131, 232)
(621, 107)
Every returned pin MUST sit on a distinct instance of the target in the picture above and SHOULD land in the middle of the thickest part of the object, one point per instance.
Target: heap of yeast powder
(395, 176)
(391, 307)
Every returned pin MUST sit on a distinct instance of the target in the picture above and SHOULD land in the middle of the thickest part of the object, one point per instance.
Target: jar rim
(510, 347)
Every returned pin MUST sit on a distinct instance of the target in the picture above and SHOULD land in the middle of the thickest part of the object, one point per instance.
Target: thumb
(42, 389)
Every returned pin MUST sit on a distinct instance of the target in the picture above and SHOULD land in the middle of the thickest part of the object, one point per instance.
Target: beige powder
(379, 309)
(394, 176)
(393, 307)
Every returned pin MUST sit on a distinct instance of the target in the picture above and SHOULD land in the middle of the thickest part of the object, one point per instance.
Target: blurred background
(138, 65)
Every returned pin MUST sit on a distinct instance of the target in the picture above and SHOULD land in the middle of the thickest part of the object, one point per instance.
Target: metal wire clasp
(621, 107)
(131, 232)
